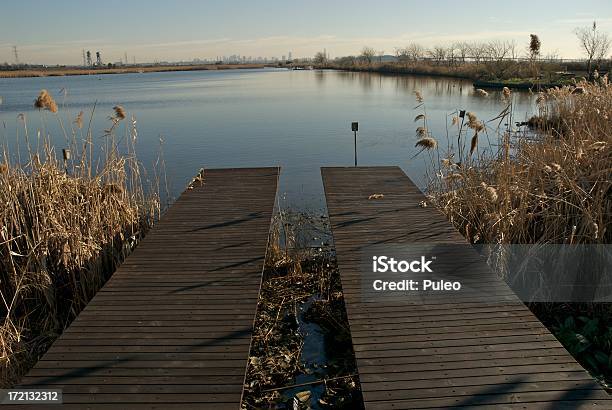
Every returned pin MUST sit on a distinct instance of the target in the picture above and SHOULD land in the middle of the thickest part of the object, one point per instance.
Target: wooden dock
(172, 327)
(440, 353)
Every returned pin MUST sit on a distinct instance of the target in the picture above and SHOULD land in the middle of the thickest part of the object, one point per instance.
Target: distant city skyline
(58, 32)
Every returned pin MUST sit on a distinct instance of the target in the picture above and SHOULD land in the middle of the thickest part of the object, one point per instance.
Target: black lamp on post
(355, 128)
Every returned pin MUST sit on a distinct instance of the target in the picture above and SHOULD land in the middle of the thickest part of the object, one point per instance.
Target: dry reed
(300, 267)
(482, 92)
(549, 185)
(44, 101)
(427, 143)
(554, 187)
(65, 224)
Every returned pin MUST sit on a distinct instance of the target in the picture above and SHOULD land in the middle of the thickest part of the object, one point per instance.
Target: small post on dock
(355, 128)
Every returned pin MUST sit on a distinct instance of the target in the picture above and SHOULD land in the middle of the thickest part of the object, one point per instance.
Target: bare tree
(415, 51)
(463, 50)
(412, 52)
(438, 54)
(497, 50)
(381, 54)
(451, 54)
(401, 54)
(512, 53)
(367, 54)
(497, 59)
(349, 61)
(320, 58)
(552, 56)
(477, 51)
(594, 43)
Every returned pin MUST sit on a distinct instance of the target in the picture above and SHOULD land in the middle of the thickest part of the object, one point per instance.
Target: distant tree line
(496, 54)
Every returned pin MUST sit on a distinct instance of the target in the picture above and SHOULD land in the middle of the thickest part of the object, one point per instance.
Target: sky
(159, 30)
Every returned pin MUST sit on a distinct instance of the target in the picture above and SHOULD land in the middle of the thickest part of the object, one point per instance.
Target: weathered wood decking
(441, 353)
(172, 327)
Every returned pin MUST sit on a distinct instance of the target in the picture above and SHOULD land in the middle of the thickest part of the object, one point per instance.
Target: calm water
(297, 119)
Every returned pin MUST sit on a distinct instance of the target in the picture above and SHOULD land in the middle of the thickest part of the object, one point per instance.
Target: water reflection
(297, 119)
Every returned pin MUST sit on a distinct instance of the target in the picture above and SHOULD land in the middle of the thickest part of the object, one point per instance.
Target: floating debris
(481, 92)
(198, 179)
(301, 354)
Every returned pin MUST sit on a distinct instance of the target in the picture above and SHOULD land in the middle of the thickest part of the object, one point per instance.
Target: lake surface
(300, 120)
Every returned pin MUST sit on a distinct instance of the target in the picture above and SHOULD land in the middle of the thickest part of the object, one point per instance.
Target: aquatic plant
(65, 224)
(427, 143)
(550, 183)
(44, 101)
(119, 112)
(482, 92)
(551, 187)
(506, 92)
(298, 274)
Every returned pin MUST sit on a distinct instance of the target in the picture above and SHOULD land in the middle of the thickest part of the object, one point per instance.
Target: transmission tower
(98, 58)
(88, 58)
(16, 54)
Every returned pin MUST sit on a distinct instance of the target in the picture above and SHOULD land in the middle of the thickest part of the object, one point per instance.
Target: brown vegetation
(59, 71)
(554, 188)
(489, 61)
(301, 284)
(549, 184)
(65, 224)
(510, 72)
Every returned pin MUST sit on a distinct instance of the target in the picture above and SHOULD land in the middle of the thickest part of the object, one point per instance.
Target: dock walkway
(172, 327)
(440, 353)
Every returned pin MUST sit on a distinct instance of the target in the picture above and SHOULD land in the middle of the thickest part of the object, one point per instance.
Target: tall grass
(66, 221)
(551, 187)
(509, 72)
(468, 71)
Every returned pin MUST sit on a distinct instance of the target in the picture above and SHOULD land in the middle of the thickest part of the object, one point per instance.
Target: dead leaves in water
(303, 396)
(198, 179)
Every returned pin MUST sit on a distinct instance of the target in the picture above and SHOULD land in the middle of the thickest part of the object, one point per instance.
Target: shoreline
(62, 72)
(460, 72)
(385, 69)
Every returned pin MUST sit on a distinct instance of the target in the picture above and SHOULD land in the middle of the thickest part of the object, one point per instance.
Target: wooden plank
(172, 327)
(440, 352)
